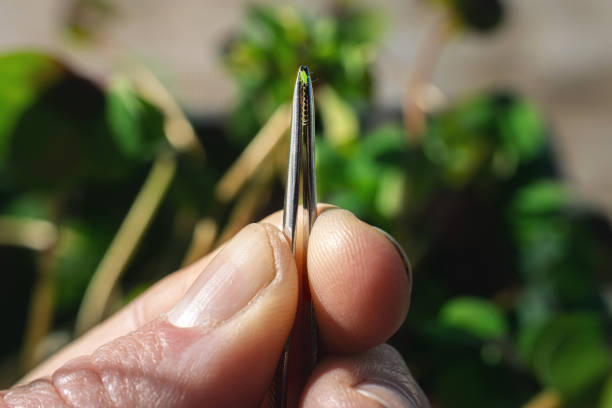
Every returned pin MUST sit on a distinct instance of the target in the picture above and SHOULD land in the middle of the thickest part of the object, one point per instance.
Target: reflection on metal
(299, 354)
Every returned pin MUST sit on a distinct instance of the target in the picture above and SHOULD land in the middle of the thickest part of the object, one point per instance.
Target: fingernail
(229, 282)
(400, 251)
(386, 394)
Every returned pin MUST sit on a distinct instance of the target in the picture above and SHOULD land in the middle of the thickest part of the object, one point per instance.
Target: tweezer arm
(299, 354)
(301, 159)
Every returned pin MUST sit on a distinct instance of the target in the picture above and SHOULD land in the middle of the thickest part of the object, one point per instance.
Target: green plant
(510, 269)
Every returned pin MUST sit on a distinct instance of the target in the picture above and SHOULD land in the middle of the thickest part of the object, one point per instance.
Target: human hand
(211, 334)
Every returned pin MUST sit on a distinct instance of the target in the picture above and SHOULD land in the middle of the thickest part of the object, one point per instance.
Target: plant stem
(40, 312)
(415, 99)
(250, 200)
(125, 242)
(204, 234)
(548, 398)
(30, 233)
(246, 166)
(179, 131)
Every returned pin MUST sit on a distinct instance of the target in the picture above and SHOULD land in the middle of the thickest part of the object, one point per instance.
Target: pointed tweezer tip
(304, 74)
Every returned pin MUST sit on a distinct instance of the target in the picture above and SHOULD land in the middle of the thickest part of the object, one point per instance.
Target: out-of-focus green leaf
(80, 248)
(479, 317)
(543, 240)
(484, 138)
(339, 119)
(541, 197)
(23, 75)
(390, 194)
(32, 204)
(62, 140)
(555, 251)
(582, 360)
(522, 129)
(136, 125)
(365, 176)
(338, 46)
(606, 395)
(570, 353)
(386, 145)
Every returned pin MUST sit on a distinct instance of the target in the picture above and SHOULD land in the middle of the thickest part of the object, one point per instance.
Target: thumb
(218, 346)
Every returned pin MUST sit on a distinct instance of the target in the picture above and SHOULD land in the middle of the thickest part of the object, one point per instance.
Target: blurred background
(137, 136)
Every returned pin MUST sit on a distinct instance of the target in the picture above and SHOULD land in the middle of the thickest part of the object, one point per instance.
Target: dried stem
(250, 165)
(126, 242)
(417, 92)
(249, 202)
(254, 155)
(30, 233)
(178, 129)
(40, 312)
(204, 235)
(548, 398)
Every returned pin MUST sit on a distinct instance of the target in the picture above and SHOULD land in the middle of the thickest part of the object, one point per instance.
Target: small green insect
(304, 95)
(303, 76)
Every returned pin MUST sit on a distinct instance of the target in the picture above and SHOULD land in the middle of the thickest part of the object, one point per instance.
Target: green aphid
(304, 76)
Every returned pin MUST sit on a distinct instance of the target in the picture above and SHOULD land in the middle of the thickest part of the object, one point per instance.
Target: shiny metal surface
(299, 354)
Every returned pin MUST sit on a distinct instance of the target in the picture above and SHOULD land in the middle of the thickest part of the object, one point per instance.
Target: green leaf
(390, 194)
(523, 129)
(136, 125)
(80, 247)
(339, 119)
(582, 360)
(339, 48)
(541, 197)
(62, 140)
(479, 317)
(570, 353)
(31, 204)
(23, 75)
(606, 395)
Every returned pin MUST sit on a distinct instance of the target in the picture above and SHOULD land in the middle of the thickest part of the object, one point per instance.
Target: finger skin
(151, 304)
(359, 283)
(164, 365)
(360, 290)
(375, 378)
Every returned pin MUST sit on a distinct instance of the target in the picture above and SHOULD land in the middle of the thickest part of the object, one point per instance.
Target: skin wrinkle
(30, 395)
(131, 354)
(381, 366)
(64, 382)
(59, 394)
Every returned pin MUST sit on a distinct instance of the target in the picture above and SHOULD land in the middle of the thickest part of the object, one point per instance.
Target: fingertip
(359, 284)
(375, 378)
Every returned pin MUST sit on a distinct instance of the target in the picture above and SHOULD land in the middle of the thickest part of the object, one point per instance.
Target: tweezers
(300, 352)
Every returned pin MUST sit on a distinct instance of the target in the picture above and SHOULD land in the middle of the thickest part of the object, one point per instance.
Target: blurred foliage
(339, 47)
(510, 268)
(136, 125)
